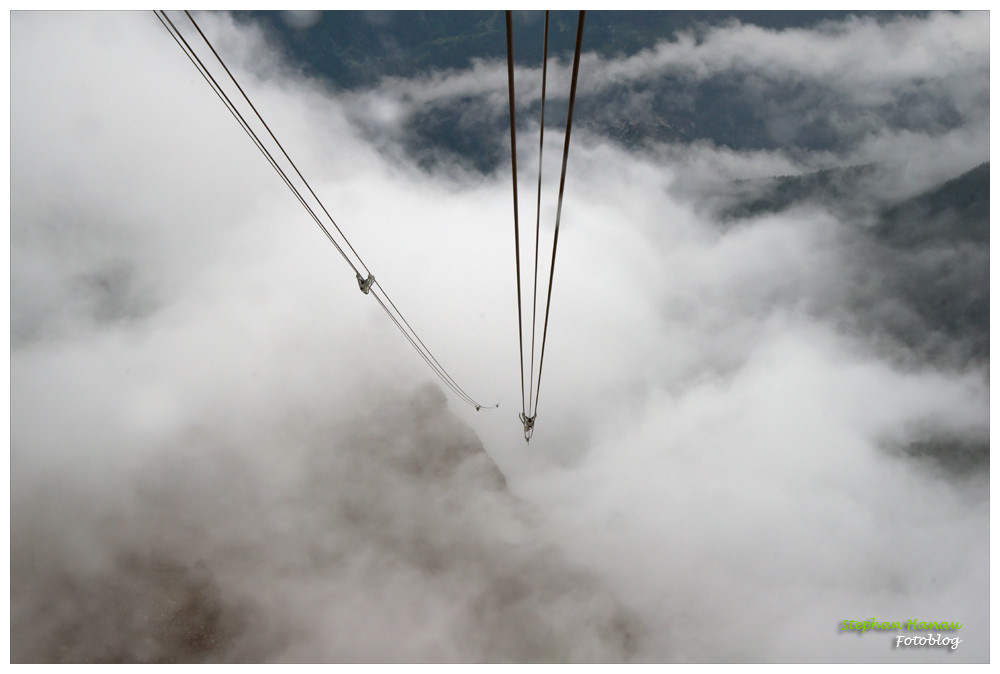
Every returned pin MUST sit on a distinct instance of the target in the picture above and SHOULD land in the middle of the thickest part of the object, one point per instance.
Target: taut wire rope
(538, 207)
(530, 411)
(513, 166)
(367, 286)
(562, 186)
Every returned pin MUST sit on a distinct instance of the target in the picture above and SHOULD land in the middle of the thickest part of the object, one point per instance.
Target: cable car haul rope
(529, 409)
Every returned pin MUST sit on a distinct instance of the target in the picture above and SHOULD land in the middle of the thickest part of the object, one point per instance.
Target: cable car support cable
(513, 165)
(562, 186)
(367, 285)
(538, 212)
(529, 413)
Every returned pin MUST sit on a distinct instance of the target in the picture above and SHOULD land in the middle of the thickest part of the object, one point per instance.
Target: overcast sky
(205, 409)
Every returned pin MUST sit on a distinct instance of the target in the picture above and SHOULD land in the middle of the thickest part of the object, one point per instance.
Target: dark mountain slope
(957, 211)
(919, 276)
(391, 537)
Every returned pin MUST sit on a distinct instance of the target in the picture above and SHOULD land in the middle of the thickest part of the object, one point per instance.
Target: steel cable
(562, 185)
(538, 208)
(513, 164)
(306, 182)
(424, 353)
(207, 75)
(446, 377)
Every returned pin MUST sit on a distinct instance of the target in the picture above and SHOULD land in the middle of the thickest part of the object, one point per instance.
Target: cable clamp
(529, 425)
(365, 283)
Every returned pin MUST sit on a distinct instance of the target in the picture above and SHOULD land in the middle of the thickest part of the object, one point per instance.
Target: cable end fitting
(365, 283)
